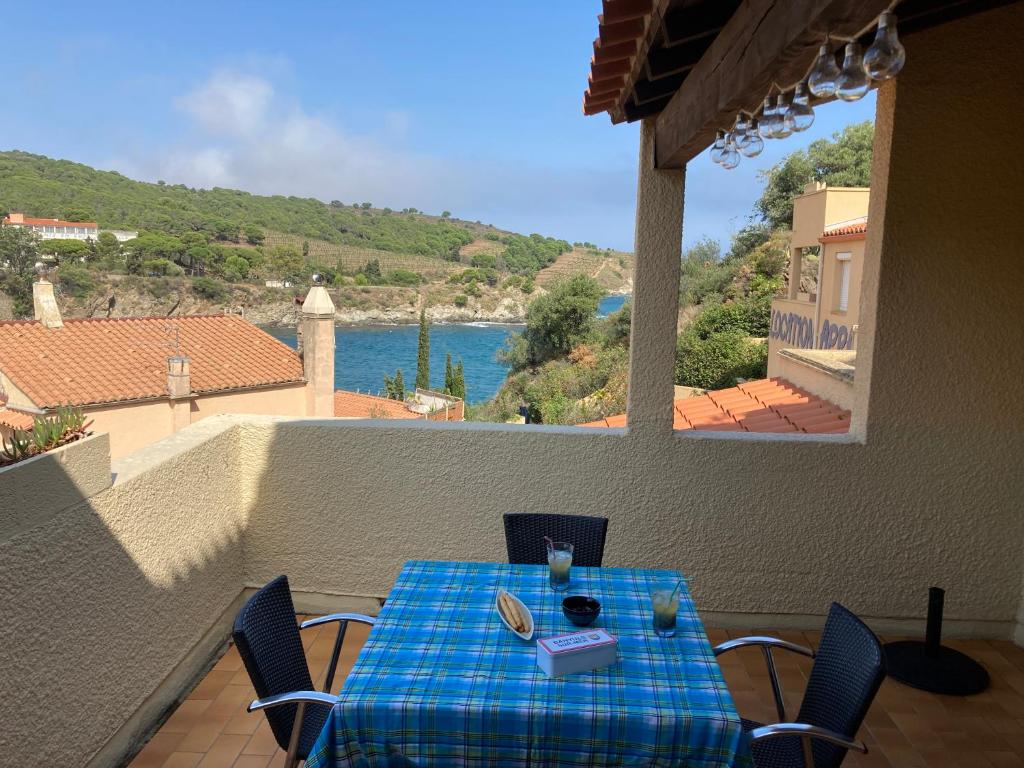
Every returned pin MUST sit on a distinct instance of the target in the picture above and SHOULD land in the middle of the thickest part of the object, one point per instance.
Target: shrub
(472, 288)
(747, 317)
(461, 300)
(76, 281)
(158, 287)
(404, 277)
(484, 261)
(208, 288)
(717, 361)
(561, 319)
(160, 268)
(361, 279)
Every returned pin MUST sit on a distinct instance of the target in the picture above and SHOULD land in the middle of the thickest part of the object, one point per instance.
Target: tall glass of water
(665, 602)
(559, 561)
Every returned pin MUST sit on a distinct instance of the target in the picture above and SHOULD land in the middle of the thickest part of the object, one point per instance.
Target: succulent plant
(48, 432)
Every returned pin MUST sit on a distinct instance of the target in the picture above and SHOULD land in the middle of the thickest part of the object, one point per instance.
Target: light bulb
(718, 147)
(853, 81)
(731, 156)
(752, 144)
(800, 116)
(885, 56)
(822, 81)
(767, 124)
(783, 129)
(739, 130)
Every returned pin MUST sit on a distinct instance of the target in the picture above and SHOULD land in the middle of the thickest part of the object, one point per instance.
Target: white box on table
(576, 652)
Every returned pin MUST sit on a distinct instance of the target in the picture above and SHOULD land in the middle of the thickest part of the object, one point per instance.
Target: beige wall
(792, 326)
(135, 425)
(828, 291)
(109, 592)
(814, 211)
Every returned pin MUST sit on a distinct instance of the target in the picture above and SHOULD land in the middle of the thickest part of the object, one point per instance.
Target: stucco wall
(274, 401)
(829, 281)
(135, 425)
(103, 599)
(791, 326)
(815, 211)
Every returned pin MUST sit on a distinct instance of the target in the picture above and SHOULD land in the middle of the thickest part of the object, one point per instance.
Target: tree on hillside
(459, 381)
(108, 249)
(253, 235)
(843, 161)
(557, 321)
(423, 354)
(19, 249)
(66, 250)
(449, 374)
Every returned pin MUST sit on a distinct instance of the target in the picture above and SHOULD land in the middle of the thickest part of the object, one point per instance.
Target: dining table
(442, 681)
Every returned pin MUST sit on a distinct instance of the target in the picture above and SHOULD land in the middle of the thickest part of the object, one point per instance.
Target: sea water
(365, 354)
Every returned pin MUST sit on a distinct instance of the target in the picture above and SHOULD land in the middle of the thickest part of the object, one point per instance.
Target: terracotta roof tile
(111, 360)
(16, 419)
(767, 405)
(359, 406)
(848, 230)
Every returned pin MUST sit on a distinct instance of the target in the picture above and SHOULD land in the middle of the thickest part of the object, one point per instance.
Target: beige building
(142, 379)
(833, 220)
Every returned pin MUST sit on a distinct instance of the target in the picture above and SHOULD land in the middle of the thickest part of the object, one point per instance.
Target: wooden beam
(646, 91)
(625, 10)
(662, 62)
(764, 41)
(619, 32)
(606, 53)
(695, 21)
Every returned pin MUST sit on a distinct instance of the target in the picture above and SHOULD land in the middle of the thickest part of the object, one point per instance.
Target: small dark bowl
(581, 610)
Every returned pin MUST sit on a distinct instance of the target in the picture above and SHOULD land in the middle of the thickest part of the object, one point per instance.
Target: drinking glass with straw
(559, 561)
(665, 601)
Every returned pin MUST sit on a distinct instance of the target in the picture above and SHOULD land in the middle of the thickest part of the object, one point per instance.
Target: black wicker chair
(525, 532)
(848, 669)
(268, 641)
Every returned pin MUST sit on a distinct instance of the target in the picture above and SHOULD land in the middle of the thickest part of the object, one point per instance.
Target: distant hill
(41, 186)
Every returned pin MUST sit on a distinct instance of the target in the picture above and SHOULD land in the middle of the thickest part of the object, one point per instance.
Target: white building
(56, 229)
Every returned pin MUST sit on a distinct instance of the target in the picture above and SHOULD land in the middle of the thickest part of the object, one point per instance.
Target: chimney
(179, 389)
(318, 350)
(44, 303)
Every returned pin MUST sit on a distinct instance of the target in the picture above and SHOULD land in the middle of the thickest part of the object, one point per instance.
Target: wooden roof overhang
(694, 64)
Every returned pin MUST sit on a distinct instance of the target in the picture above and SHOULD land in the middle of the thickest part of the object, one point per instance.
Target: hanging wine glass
(752, 144)
(782, 128)
(800, 116)
(886, 55)
(822, 80)
(718, 147)
(853, 81)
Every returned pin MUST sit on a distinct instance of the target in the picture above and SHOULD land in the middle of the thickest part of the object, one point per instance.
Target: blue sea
(364, 354)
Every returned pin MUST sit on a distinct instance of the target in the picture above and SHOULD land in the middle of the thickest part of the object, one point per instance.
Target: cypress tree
(389, 386)
(459, 382)
(399, 386)
(449, 374)
(423, 354)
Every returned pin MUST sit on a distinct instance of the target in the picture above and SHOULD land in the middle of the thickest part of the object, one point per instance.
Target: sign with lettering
(835, 336)
(793, 329)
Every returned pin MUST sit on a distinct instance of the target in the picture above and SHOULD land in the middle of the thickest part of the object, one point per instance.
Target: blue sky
(470, 107)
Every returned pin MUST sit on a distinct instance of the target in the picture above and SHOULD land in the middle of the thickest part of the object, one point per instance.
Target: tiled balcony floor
(905, 727)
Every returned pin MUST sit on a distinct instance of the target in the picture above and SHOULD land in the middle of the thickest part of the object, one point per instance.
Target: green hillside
(40, 186)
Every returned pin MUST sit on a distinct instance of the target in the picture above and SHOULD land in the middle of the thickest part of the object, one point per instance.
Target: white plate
(522, 609)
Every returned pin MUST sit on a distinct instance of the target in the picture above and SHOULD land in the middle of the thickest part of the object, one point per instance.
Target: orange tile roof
(621, 28)
(851, 230)
(359, 406)
(112, 360)
(766, 405)
(29, 221)
(16, 419)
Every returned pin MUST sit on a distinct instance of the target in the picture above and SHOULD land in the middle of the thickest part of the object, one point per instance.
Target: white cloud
(248, 136)
(230, 104)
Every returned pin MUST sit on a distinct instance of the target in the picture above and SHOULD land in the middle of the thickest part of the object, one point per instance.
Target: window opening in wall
(768, 314)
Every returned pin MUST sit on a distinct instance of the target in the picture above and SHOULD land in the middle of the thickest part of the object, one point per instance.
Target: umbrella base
(938, 670)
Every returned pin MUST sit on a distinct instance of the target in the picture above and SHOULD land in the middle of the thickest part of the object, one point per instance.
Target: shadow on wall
(104, 597)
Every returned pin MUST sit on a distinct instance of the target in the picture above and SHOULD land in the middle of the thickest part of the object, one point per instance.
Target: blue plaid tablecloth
(441, 681)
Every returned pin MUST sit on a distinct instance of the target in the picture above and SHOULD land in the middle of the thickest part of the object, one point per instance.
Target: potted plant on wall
(65, 425)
